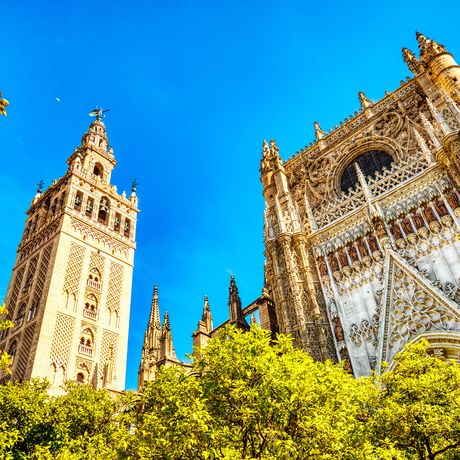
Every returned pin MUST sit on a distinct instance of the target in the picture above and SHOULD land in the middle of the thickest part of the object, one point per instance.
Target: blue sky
(193, 88)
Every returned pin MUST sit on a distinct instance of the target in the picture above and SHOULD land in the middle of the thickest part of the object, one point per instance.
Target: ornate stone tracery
(409, 208)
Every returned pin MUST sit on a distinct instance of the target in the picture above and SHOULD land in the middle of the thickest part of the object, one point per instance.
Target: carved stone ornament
(412, 307)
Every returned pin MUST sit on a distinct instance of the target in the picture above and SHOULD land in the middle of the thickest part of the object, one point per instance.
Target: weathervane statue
(98, 112)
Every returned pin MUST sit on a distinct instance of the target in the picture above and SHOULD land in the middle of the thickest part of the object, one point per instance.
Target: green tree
(248, 397)
(5, 359)
(419, 405)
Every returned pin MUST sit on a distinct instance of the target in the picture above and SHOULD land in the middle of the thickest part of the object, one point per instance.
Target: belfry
(70, 290)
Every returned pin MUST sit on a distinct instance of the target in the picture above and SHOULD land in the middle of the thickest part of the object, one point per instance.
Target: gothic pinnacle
(319, 133)
(411, 60)
(154, 311)
(364, 100)
(166, 324)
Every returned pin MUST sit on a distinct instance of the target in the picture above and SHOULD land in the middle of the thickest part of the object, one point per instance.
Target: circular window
(369, 163)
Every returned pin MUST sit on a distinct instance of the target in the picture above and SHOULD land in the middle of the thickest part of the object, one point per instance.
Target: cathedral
(361, 233)
(361, 230)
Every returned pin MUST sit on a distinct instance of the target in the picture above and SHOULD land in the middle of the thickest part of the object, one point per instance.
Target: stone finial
(265, 149)
(319, 133)
(364, 100)
(235, 306)
(166, 323)
(411, 60)
(428, 48)
(206, 317)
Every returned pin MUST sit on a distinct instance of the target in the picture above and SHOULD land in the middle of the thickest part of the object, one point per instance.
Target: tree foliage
(246, 397)
(5, 359)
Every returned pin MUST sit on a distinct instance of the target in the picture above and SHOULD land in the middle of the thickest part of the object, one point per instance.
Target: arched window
(81, 377)
(127, 228)
(78, 201)
(89, 207)
(104, 208)
(86, 342)
(369, 162)
(98, 170)
(94, 279)
(90, 310)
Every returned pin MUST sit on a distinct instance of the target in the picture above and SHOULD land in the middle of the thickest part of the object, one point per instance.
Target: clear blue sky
(193, 87)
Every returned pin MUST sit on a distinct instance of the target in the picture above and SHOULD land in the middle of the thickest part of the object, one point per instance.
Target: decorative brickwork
(73, 271)
(114, 292)
(15, 291)
(62, 340)
(26, 345)
(97, 262)
(41, 278)
(109, 352)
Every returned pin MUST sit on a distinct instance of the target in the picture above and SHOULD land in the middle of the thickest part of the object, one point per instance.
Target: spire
(428, 48)
(94, 155)
(319, 133)
(411, 60)
(96, 137)
(270, 161)
(235, 307)
(364, 100)
(154, 311)
(166, 325)
(206, 317)
(167, 351)
(253, 319)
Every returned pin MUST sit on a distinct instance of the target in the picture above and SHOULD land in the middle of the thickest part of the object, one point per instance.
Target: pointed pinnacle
(154, 310)
(166, 323)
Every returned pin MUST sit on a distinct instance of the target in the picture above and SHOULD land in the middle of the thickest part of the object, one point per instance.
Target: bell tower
(70, 290)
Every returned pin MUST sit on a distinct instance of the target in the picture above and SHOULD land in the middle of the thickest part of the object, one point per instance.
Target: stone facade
(70, 290)
(362, 226)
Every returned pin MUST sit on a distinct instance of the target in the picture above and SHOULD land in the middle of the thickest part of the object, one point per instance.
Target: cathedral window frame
(389, 146)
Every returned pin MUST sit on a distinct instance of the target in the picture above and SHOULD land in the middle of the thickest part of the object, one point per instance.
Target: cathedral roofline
(349, 126)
